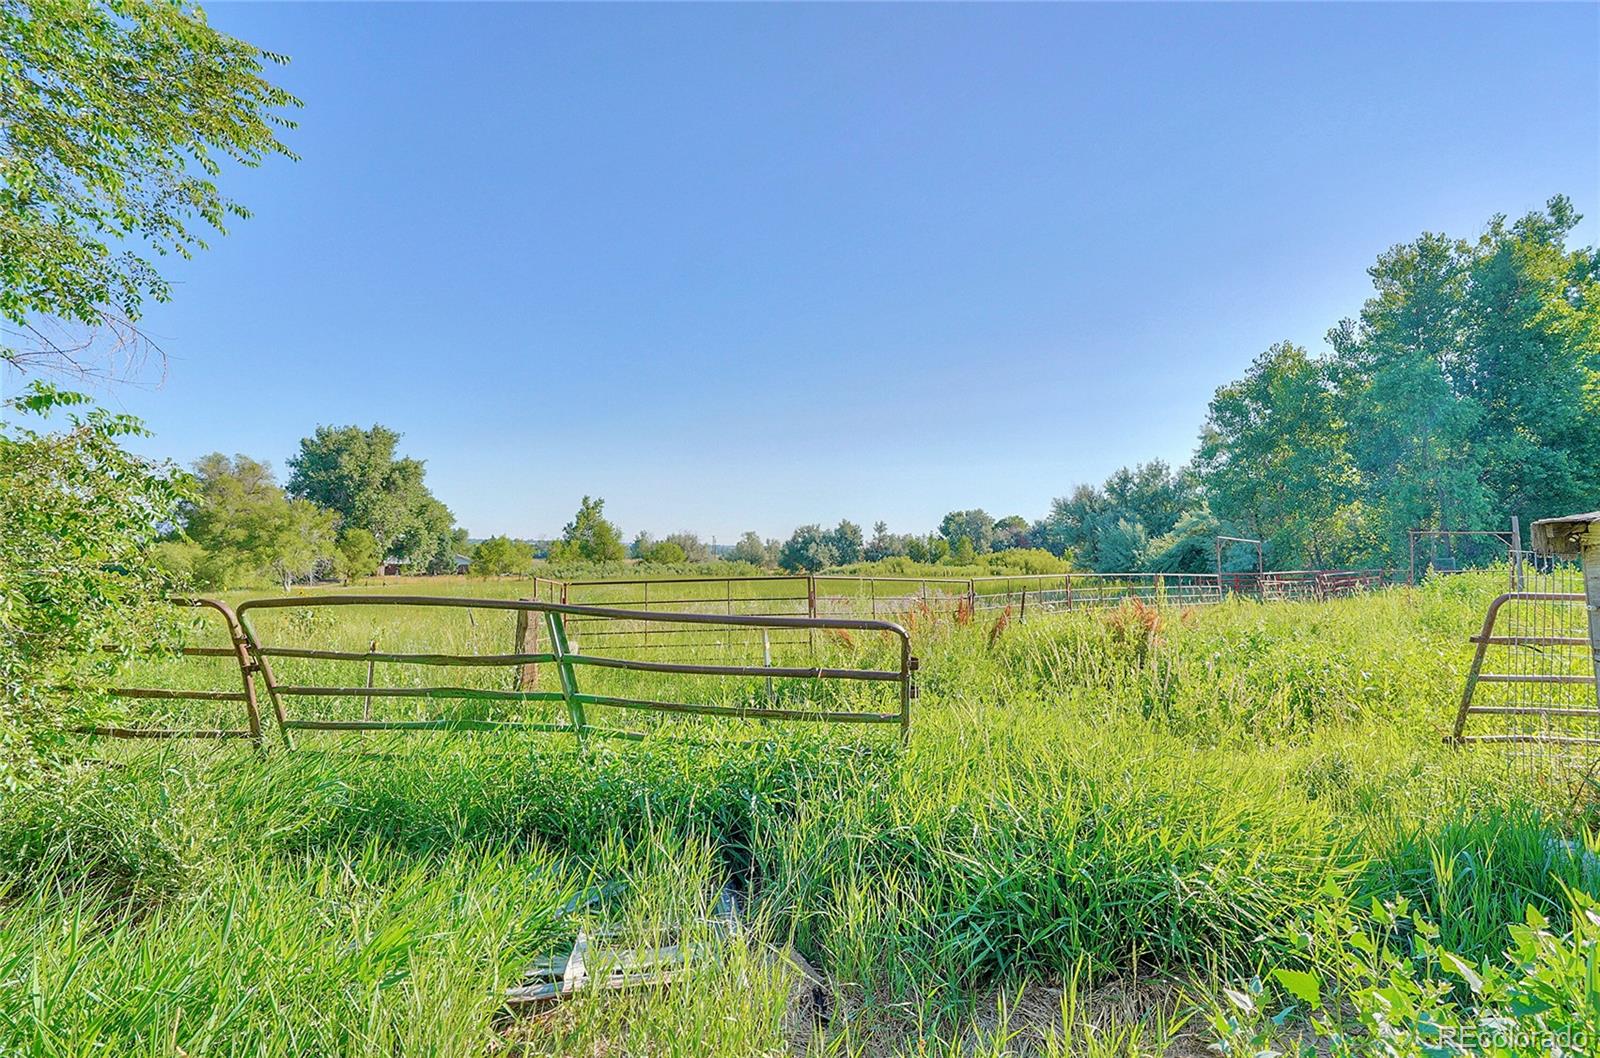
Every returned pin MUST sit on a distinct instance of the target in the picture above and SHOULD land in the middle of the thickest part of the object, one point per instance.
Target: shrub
(81, 514)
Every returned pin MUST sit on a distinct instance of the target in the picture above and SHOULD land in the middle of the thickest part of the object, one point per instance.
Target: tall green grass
(1126, 795)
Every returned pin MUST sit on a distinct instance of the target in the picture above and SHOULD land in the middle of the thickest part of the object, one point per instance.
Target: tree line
(350, 503)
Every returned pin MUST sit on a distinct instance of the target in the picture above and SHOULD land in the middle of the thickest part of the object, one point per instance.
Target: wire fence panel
(1059, 592)
(1531, 684)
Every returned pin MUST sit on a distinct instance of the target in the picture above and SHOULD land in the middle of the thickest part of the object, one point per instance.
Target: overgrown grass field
(1100, 822)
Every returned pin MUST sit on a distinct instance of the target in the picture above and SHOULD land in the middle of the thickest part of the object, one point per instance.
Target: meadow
(1114, 831)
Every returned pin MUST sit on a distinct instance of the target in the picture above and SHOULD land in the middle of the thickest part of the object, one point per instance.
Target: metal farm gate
(756, 674)
(1531, 685)
(238, 651)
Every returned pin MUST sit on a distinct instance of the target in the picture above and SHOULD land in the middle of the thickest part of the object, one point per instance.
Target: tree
(1532, 317)
(1190, 545)
(355, 472)
(358, 553)
(976, 525)
(1072, 522)
(501, 554)
(589, 537)
(1275, 458)
(115, 119)
(807, 551)
(963, 554)
(845, 542)
(885, 544)
(248, 529)
(1122, 547)
(1410, 431)
(664, 553)
(1011, 532)
(1152, 494)
(750, 549)
(81, 517)
(691, 547)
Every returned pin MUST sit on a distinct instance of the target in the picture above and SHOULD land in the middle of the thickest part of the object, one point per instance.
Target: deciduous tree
(807, 551)
(589, 536)
(356, 473)
(116, 118)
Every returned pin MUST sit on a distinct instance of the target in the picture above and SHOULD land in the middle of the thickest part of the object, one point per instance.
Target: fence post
(526, 642)
(569, 680)
(372, 672)
(811, 595)
(1516, 553)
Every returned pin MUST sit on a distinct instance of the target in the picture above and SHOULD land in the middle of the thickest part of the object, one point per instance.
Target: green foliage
(664, 552)
(355, 473)
(964, 553)
(1275, 455)
(1382, 984)
(752, 550)
(81, 514)
(845, 542)
(1012, 531)
(692, 548)
(975, 526)
(927, 550)
(589, 537)
(1122, 546)
(1467, 391)
(501, 554)
(249, 531)
(884, 544)
(809, 550)
(357, 553)
(1131, 506)
(1190, 547)
(115, 119)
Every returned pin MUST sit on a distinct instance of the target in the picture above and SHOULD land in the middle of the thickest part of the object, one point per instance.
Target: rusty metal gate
(776, 694)
(238, 650)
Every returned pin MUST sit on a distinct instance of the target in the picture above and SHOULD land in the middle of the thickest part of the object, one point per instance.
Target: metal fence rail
(246, 695)
(1051, 592)
(568, 662)
(820, 594)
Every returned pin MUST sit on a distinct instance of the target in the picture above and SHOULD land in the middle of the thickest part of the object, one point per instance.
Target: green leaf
(1306, 987)
(1458, 966)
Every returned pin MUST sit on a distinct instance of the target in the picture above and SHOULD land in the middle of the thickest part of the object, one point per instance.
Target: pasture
(1101, 820)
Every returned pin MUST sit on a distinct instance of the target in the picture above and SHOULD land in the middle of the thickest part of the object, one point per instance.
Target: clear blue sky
(742, 267)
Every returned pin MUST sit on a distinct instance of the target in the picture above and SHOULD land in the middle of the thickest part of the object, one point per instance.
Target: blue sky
(742, 267)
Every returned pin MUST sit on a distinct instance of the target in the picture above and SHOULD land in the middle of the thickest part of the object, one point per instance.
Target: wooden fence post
(527, 642)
